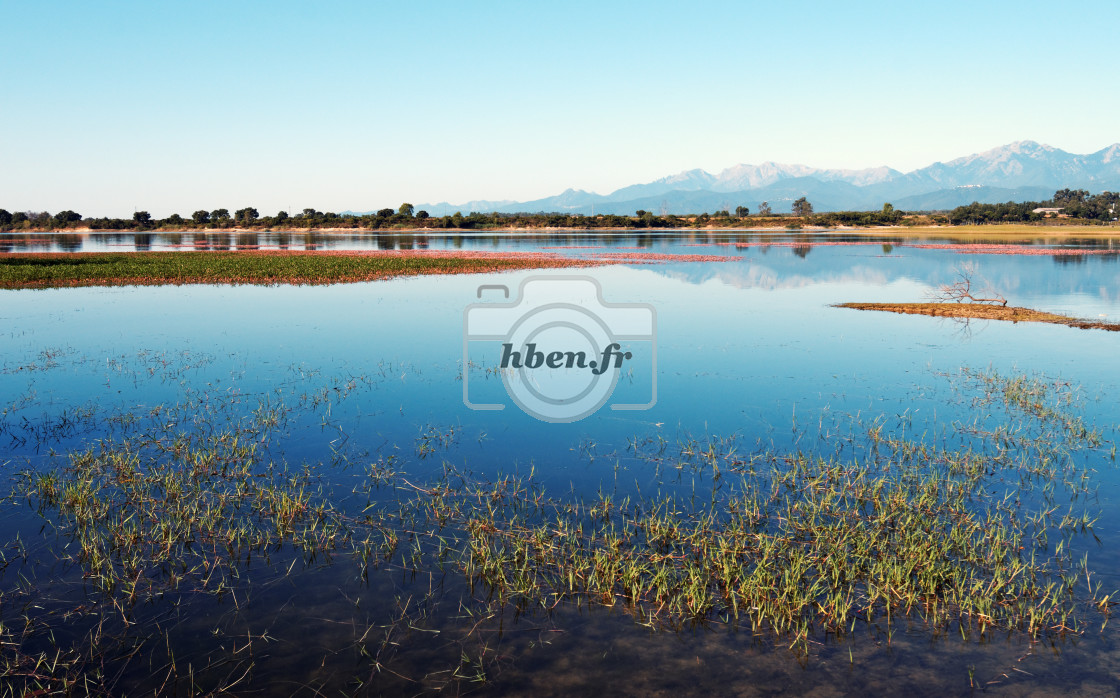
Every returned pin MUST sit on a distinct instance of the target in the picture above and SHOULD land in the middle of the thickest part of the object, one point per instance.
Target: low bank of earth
(983, 311)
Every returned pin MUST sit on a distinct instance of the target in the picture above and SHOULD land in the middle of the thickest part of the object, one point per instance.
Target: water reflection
(748, 350)
(1083, 284)
(804, 241)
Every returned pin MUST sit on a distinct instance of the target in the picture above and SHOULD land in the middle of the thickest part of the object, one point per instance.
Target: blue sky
(174, 106)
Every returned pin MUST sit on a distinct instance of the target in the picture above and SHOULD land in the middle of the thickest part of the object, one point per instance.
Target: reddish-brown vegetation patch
(658, 257)
(1012, 249)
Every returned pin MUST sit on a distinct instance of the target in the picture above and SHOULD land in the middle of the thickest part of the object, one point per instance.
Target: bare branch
(961, 290)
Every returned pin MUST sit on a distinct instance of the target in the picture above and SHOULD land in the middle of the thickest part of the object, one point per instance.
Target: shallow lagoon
(749, 351)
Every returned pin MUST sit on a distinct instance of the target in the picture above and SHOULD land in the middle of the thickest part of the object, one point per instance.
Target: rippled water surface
(752, 359)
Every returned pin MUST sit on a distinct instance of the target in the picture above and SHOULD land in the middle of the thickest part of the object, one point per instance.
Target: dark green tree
(405, 210)
(245, 216)
(5, 217)
(385, 212)
(1070, 196)
(201, 217)
(142, 217)
(422, 215)
(742, 212)
(64, 218)
(802, 207)
(219, 215)
(764, 209)
(281, 216)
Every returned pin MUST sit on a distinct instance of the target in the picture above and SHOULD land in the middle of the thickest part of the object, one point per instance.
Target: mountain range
(1020, 171)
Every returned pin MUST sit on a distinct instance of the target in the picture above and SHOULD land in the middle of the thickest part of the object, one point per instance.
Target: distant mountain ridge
(1019, 171)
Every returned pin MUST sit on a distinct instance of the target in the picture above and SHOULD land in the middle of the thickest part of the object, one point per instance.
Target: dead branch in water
(961, 290)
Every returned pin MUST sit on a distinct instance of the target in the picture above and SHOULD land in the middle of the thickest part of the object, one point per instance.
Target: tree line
(406, 217)
(1073, 203)
(1076, 204)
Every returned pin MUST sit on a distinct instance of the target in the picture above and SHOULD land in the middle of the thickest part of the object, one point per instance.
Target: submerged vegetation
(184, 518)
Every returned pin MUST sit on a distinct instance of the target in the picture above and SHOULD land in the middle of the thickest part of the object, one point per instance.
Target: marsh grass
(51, 270)
(185, 507)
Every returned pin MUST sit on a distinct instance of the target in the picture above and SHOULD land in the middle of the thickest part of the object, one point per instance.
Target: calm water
(749, 350)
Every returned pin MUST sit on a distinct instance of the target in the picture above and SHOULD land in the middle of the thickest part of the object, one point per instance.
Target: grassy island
(51, 270)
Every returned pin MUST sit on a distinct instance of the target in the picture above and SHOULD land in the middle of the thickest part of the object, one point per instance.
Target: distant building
(1047, 211)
